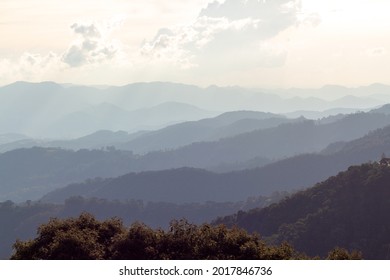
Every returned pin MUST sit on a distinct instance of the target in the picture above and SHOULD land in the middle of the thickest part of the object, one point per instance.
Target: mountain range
(50, 110)
(157, 151)
(196, 185)
(284, 148)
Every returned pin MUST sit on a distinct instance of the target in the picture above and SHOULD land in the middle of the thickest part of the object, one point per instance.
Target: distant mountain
(385, 109)
(211, 129)
(285, 140)
(20, 174)
(40, 110)
(356, 102)
(88, 120)
(11, 137)
(187, 185)
(349, 210)
(19, 144)
(51, 110)
(366, 148)
(107, 116)
(96, 140)
(194, 185)
(372, 93)
(30, 173)
(29, 108)
(315, 115)
(335, 157)
(237, 166)
(233, 137)
(170, 137)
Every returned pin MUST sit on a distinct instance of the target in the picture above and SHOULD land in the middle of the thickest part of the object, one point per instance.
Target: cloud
(87, 31)
(225, 38)
(29, 66)
(275, 14)
(93, 44)
(224, 31)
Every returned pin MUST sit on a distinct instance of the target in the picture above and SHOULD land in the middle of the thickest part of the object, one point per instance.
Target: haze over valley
(267, 116)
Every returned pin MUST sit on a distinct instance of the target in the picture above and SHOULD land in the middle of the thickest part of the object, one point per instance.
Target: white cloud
(31, 67)
(231, 32)
(92, 47)
(87, 31)
(225, 37)
(93, 44)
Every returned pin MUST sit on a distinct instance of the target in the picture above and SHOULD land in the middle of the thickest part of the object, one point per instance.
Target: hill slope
(274, 143)
(195, 185)
(349, 210)
(170, 137)
(30, 173)
(59, 167)
(212, 129)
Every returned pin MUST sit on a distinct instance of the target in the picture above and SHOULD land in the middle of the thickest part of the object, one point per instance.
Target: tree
(86, 238)
(81, 239)
(342, 254)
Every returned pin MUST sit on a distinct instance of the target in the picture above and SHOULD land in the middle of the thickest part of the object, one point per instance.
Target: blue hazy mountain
(196, 185)
(37, 170)
(48, 109)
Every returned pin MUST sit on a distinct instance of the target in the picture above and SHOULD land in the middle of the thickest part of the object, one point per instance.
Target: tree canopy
(85, 238)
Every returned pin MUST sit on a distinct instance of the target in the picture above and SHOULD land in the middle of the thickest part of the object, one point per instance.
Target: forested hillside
(349, 210)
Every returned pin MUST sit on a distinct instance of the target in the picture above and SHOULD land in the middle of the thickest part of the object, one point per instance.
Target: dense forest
(87, 238)
(349, 210)
(20, 220)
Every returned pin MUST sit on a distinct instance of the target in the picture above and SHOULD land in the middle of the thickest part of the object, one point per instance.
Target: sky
(249, 43)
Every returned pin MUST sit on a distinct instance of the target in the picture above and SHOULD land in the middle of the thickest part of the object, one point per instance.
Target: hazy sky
(253, 43)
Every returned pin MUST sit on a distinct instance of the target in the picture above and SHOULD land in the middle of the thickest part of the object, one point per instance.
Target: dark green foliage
(87, 238)
(342, 254)
(21, 220)
(349, 210)
(80, 239)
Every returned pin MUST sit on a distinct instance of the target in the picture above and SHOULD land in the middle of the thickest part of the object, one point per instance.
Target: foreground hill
(348, 210)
